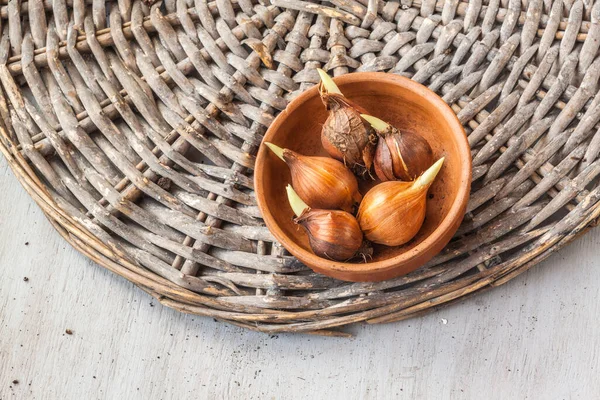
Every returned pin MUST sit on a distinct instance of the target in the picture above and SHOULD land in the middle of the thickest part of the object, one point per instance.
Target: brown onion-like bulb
(392, 212)
(401, 155)
(332, 234)
(324, 183)
(345, 136)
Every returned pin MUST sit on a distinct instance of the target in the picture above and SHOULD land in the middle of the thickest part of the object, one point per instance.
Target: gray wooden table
(536, 337)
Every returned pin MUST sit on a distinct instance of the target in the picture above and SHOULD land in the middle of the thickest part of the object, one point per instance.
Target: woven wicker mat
(134, 127)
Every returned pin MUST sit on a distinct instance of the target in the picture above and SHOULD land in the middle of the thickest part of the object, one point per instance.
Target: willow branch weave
(135, 126)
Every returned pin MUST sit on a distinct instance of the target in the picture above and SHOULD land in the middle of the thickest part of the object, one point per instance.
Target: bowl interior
(407, 106)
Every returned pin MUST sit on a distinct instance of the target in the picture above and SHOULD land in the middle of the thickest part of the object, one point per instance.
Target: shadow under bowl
(403, 103)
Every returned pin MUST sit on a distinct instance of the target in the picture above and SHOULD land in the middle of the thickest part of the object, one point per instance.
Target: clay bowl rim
(440, 233)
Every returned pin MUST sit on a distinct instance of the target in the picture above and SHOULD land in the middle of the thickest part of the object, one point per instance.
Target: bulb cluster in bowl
(324, 193)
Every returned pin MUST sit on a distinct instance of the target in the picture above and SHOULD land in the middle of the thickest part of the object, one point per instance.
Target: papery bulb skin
(322, 182)
(393, 212)
(382, 162)
(400, 155)
(332, 234)
(345, 135)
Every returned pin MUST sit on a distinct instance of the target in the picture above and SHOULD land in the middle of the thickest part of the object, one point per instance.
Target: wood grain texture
(535, 337)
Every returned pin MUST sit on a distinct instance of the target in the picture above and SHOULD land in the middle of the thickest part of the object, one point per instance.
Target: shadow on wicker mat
(135, 129)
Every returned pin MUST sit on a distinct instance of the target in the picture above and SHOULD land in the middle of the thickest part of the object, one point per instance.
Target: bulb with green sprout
(332, 234)
(399, 155)
(324, 183)
(345, 135)
(393, 212)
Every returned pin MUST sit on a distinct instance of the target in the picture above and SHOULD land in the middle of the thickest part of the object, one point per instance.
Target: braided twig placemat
(134, 127)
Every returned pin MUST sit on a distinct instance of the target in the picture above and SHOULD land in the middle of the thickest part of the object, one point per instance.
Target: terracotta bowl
(405, 104)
